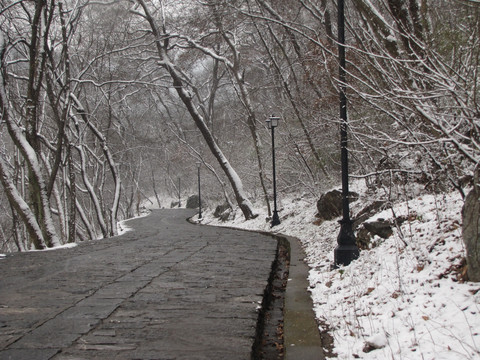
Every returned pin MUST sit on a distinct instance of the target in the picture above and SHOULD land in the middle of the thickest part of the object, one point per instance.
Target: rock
(368, 211)
(399, 220)
(353, 196)
(192, 202)
(364, 238)
(220, 209)
(368, 230)
(380, 228)
(223, 212)
(329, 206)
(173, 204)
(471, 233)
(225, 215)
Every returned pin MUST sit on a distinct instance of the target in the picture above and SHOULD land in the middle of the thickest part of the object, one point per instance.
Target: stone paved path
(168, 290)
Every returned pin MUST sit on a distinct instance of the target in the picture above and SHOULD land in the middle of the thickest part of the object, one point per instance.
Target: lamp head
(272, 121)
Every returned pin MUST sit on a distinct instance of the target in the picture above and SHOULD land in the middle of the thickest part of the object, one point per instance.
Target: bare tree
(181, 84)
(28, 143)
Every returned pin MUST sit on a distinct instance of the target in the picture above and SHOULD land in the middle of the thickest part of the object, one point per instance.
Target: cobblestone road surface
(167, 290)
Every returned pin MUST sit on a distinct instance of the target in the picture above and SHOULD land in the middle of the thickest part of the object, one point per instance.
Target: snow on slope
(401, 299)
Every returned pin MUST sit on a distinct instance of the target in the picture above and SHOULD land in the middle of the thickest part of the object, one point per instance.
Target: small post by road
(272, 123)
(199, 164)
(179, 201)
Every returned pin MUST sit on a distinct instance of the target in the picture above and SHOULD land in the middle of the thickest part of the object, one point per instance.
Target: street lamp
(347, 250)
(272, 123)
(199, 193)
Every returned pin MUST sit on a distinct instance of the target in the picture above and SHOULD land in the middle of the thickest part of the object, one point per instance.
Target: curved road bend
(167, 290)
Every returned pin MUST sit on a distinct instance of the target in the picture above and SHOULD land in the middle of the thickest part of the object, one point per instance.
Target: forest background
(105, 104)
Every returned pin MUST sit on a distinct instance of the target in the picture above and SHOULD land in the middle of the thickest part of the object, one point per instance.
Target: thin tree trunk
(91, 192)
(111, 165)
(22, 208)
(154, 186)
(72, 224)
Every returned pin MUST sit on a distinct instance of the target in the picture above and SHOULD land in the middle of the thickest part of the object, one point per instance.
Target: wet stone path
(167, 290)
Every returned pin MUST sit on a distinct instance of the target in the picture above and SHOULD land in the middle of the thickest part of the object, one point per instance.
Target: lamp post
(347, 250)
(272, 123)
(199, 193)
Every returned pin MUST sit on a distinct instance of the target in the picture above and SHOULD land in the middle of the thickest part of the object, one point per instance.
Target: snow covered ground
(399, 300)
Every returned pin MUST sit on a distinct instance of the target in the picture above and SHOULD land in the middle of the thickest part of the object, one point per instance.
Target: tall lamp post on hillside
(346, 250)
(199, 192)
(272, 123)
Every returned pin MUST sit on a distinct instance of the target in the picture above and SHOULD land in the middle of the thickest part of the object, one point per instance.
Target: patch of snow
(65, 246)
(377, 341)
(58, 247)
(123, 228)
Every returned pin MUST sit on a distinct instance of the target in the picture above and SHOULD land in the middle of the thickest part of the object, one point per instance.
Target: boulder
(471, 233)
(225, 215)
(368, 230)
(223, 212)
(329, 206)
(363, 238)
(220, 209)
(192, 202)
(368, 211)
(380, 228)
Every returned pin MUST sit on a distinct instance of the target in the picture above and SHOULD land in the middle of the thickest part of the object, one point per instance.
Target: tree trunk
(296, 46)
(235, 70)
(72, 224)
(21, 207)
(185, 96)
(471, 233)
(230, 172)
(38, 189)
(91, 192)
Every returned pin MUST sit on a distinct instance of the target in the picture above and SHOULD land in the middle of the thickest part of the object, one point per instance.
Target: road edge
(300, 336)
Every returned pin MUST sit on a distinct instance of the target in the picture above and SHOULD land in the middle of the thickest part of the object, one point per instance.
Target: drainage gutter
(302, 338)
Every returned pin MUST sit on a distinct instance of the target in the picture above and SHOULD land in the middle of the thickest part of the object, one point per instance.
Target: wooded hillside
(105, 104)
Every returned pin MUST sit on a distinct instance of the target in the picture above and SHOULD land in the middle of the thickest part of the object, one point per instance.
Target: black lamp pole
(199, 193)
(347, 250)
(272, 123)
